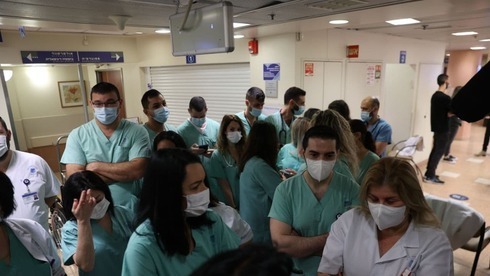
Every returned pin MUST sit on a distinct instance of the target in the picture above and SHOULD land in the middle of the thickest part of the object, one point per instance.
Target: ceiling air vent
(333, 5)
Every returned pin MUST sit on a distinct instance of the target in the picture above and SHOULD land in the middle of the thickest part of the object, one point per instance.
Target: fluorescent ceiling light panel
(464, 33)
(338, 22)
(239, 25)
(478, 48)
(403, 21)
(163, 31)
(238, 36)
(485, 40)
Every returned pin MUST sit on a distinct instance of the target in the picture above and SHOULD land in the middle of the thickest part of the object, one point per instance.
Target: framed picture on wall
(70, 93)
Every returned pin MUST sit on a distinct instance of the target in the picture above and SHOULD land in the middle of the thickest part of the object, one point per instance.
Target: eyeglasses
(110, 103)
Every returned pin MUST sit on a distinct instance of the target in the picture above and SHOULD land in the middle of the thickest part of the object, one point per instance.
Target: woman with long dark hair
(366, 148)
(259, 179)
(175, 232)
(97, 232)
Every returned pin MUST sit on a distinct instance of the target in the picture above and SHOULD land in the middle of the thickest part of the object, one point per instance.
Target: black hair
(197, 103)
(4, 124)
(293, 93)
(257, 260)
(7, 201)
(149, 94)
(441, 79)
(81, 181)
(341, 107)
(161, 200)
(262, 142)
(322, 132)
(310, 112)
(366, 136)
(255, 93)
(171, 136)
(104, 88)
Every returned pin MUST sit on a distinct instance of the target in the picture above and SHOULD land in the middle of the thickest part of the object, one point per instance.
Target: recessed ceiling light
(478, 48)
(403, 21)
(485, 40)
(163, 31)
(5, 64)
(238, 36)
(338, 22)
(239, 25)
(464, 33)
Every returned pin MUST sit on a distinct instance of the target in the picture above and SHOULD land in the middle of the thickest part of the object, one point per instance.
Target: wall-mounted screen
(207, 30)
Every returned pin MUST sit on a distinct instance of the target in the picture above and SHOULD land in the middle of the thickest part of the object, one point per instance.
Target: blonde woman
(288, 157)
(349, 164)
(393, 232)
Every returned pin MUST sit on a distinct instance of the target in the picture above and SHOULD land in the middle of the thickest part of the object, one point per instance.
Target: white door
(322, 81)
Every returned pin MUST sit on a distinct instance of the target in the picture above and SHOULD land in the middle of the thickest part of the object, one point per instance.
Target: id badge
(30, 197)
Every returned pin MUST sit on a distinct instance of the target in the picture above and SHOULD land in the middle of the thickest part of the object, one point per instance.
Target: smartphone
(204, 147)
(286, 173)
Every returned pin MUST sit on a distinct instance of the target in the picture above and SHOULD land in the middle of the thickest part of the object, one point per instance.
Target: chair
(59, 152)
(405, 149)
(464, 226)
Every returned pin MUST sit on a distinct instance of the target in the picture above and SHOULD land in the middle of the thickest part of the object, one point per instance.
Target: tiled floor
(469, 176)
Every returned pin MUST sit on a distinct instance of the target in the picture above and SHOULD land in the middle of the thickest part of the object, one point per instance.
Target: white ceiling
(439, 18)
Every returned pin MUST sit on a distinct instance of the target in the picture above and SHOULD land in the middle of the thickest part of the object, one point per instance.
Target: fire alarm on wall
(253, 46)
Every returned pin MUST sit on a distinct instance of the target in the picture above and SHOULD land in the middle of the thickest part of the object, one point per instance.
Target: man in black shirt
(439, 112)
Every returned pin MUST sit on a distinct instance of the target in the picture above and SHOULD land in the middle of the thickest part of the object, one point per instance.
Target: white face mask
(234, 136)
(386, 216)
(197, 204)
(319, 169)
(100, 209)
(3, 145)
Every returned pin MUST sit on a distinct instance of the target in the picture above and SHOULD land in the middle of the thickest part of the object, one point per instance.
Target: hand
(196, 150)
(82, 208)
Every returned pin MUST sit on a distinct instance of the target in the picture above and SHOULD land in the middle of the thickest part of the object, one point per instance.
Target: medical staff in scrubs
(347, 154)
(176, 233)
(223, 164)
(114, 148)
(97, 232)
(254, 102)
(306, 205)
(294, 105)
(25, 247)
(156, 109)
(366, 149)
(259, 179)
(288, 157)
(393, 232)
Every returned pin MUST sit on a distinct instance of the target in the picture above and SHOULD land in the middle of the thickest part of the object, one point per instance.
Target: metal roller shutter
(223, 86)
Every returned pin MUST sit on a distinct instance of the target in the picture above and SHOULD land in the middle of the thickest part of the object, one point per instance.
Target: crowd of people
(312, 194)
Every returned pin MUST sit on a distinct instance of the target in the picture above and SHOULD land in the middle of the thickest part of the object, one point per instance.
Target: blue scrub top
(381, 132)
(245, 122)
(288, 158)
(109, 248)
(258, 181)
(282, 129)
(144, 257)
(152, 134)
(223, 166)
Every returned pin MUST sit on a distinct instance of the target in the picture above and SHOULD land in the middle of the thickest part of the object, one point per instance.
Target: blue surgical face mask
(299, 111)
(366, 116)
(161, 114)
(256, 112)
(198, 121)
(106, 115)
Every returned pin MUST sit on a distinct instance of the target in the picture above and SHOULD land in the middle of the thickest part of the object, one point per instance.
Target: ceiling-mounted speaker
(120, 20)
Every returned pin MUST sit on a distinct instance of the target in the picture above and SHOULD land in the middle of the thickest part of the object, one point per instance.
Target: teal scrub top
(87, 144)
(21, 261)
(109, 248)
(282, 129)
(192, 136)
(245, 122)
(223, 166)
(258, 181)
(296, 205)
(144, 257)
(288, 158)
(365, 164)
(152, 134)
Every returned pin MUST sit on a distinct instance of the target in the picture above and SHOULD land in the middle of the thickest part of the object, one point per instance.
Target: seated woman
(366, 148)
(25, 246)
(97, 232)
(176, 233)
(223, 164)
(393, 232)
(288, 157)
(259, 179)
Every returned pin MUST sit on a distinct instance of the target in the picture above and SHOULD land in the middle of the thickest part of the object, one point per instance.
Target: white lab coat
(353, 246)
(37, 241)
